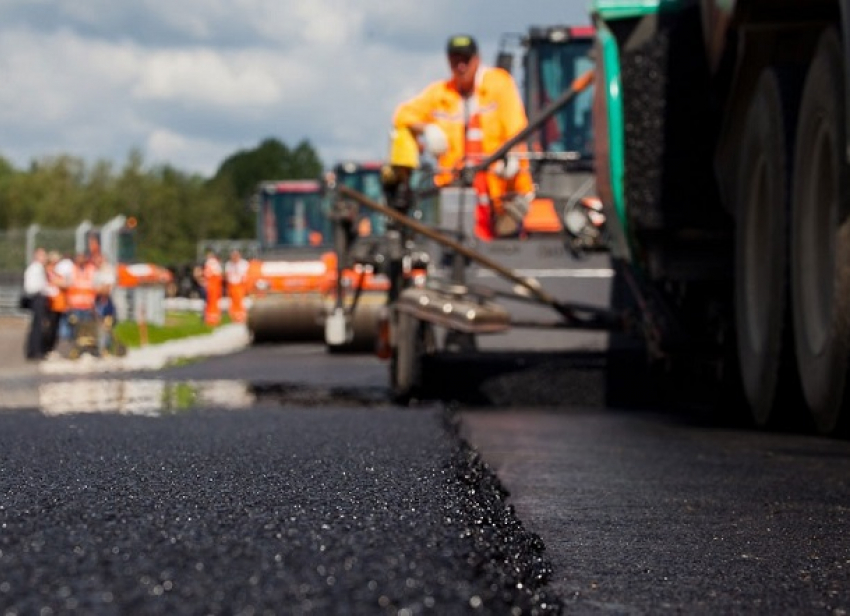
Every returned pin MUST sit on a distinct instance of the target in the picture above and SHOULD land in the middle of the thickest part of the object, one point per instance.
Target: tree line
(174, 210)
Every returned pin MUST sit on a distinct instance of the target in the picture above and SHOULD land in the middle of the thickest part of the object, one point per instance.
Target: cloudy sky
(190, 82)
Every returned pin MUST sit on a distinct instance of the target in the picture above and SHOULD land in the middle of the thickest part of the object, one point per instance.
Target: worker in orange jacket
(464, 119)
(79, 296)
(236, 275)
(212, 276)
(81, 292)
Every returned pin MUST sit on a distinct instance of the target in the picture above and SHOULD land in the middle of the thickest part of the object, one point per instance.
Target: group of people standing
(61, 292)
(217, 279)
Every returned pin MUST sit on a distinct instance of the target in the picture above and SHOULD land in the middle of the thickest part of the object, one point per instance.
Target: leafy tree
(7, 174)
(174, 210)
(239, 174)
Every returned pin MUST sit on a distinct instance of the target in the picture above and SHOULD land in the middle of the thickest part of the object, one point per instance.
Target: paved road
(618, 511)
(13, 331)
(268, 510)
(304, 488)
(647, 513)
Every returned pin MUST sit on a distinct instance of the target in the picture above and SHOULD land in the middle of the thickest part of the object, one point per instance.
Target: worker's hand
(518, 206)
(436, 142)
(506, 168)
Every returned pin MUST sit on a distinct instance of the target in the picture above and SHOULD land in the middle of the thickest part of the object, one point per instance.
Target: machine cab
(290, 214)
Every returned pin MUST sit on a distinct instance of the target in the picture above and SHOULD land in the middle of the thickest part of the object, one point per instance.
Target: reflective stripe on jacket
(501, 114)
(81, 292)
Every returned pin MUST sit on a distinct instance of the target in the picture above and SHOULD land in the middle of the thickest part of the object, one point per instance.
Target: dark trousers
(35, 338)
(51, 330)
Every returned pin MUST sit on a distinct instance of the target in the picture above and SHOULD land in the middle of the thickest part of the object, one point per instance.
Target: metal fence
(17, 245)
(16, 249)
(249, 249)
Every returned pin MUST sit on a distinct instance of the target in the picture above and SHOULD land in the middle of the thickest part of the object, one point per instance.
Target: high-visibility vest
(56, 295)
(81, 292)
(236, 272)
(212, 281)
(212, 270)
(474, 153)
(501, 116)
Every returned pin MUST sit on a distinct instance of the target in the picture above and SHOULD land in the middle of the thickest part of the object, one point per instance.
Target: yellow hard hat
(404, 150)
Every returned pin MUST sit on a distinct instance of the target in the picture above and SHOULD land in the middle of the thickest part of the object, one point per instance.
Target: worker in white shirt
(35, 287)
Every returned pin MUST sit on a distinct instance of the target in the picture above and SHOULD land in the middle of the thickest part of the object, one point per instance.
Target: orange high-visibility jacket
(502, 115)
(81, 292)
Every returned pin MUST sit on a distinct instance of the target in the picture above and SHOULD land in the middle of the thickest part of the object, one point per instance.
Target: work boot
(509, 223)
(506, 225)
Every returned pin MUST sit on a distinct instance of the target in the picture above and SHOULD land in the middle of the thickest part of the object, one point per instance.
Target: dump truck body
(721, 153)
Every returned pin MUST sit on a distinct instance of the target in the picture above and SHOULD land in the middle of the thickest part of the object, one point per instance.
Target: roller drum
(283, 318)
(364, 322)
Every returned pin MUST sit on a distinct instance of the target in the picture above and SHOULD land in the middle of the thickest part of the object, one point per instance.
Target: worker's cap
(462, 44)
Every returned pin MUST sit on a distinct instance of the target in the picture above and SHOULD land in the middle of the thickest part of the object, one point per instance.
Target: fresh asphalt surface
(268, 510)
(311, 493)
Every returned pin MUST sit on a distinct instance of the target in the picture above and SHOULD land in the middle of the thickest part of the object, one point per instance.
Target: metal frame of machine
(417, 308)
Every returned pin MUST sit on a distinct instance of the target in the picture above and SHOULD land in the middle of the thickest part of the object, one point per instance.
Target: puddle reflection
(130, 397)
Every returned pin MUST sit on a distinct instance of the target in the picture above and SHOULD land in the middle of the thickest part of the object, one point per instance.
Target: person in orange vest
(464, 119)
(105, 279)
(81, 292)
(236, 274)
(212, 276)
(63, 272)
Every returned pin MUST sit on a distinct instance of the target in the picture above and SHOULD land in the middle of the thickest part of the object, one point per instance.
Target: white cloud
(163, 145)
(206, 77)
(191, 82)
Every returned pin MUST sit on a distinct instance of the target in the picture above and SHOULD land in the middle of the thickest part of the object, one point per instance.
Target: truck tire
(414, 339)
(820, 242)
(762, 315)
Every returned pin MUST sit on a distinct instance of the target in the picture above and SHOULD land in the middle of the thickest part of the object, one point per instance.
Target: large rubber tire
(414, 340)
(762, 319)
(821, 239)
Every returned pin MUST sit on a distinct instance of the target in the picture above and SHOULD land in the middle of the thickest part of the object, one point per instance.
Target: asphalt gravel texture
(268, 510)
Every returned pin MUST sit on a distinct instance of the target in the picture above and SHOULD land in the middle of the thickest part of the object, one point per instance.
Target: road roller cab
(288, 279)
(295, 280)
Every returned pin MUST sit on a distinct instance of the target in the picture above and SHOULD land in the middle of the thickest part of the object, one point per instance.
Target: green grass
(177, 325)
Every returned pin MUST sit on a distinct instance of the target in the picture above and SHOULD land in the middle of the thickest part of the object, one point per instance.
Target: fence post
(80, 236)
(32, 232)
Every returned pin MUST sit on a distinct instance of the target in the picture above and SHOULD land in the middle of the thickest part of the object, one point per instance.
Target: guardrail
(10, 298)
